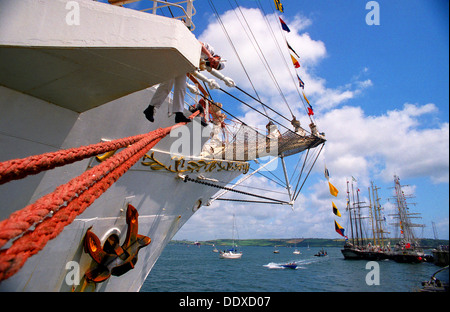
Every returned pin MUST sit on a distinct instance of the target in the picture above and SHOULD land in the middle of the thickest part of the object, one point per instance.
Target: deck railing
(187, 8)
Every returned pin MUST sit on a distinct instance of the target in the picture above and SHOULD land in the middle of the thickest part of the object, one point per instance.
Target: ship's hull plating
(163, 200)
(357, 254)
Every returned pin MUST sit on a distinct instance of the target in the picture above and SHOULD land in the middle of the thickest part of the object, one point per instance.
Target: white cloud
(396, 143)
(367, 147)
(312, 51)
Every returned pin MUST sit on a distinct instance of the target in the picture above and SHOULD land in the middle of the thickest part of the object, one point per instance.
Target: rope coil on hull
(51, 213)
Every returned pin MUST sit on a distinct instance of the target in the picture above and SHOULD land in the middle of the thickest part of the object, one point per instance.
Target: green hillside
(299, 242)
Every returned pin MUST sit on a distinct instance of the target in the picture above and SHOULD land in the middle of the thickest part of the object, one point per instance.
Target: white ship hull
(50, 116)
(164, 202)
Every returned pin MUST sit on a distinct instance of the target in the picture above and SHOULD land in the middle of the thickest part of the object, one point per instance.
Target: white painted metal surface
(106, 53)
(58, 90)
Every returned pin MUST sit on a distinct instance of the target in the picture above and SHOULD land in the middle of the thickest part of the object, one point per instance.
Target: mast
(377, 227)
(350, 213)
(372, 217)
(380, 220)
(355, 216)
(359, 216)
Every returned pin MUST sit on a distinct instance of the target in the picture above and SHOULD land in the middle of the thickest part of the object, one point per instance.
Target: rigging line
(188, 179)
(290, 72)
(281, 184)
(259, 188)
(254, 187)
(295, 169)
(207, 90)
(221, 108)
(264, 105)
(257, 110)
(240, 60)
(211, 4)
(295, 198)
(266, 20)
(301, 171)
(305, 165)
(253, 201)
(265, 62)
(248, 36)
(170, 10)
(244, 178)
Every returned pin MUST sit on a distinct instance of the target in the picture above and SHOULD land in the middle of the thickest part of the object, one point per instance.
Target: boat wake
(273, 265)
(301, 264)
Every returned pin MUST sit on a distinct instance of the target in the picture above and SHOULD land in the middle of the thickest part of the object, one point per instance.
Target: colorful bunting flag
(301, 83)
(304, 96)
(333, 191)
(278, 6)
(284, 26)
(339, 229)
(310, 109)
(327, 174)
(335, 210)
(295, 62)
(290, 48)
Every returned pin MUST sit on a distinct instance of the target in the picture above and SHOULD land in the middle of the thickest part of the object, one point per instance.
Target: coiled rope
(52, 212)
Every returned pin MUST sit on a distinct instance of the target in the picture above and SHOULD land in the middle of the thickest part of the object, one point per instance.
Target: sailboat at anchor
(231, 253)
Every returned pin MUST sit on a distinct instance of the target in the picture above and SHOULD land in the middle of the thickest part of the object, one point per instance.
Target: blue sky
(380, 93)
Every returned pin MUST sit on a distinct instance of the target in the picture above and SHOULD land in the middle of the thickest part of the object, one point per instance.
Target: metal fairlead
(113, 259)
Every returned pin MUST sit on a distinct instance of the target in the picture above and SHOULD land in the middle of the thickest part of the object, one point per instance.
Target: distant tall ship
(379, 247)
(358, 246)
(408, 248)
(105, 190)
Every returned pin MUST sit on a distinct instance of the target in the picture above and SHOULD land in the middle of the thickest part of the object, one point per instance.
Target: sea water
(187, 268)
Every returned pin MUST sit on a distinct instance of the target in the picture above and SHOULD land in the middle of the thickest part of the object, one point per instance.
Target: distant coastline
(299, 242)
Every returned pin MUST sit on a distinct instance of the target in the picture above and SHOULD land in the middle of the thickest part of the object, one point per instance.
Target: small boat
(215, 248)
(290, 265)
(321, 253)
(296, 252)
(231, 254)
(435, 284)
(276, 251)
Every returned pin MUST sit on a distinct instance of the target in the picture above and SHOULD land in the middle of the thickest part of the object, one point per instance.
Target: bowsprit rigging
(246, 143)
(103, 193)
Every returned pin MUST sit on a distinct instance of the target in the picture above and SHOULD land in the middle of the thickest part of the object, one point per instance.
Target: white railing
(186, 6)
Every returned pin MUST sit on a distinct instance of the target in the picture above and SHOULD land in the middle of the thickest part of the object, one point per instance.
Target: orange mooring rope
(52, 212)
(19, 168)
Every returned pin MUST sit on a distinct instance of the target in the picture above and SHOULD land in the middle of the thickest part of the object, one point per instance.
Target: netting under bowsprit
(248, 144)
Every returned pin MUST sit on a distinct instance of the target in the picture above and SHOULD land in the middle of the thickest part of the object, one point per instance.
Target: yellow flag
(295, 62)
(305, 96)
(334, 191)
(278, 5)
(335, 210)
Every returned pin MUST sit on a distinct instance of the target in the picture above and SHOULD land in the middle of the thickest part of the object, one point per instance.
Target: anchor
(113, 259)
